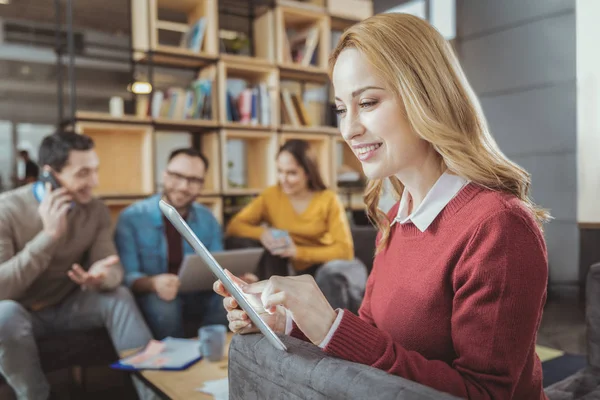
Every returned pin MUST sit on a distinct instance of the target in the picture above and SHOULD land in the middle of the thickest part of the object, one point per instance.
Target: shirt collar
(438, 197)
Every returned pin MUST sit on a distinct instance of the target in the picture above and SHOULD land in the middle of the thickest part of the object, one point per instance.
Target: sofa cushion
(259, 371)
(585, 384)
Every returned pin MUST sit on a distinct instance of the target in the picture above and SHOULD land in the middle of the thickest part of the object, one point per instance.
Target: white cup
(116, 106)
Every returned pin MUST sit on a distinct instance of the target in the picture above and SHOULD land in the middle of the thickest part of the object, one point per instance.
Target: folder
(169, 354)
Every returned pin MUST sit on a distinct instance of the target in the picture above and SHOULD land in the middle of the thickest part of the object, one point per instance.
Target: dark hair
(306, 158)
(189, 151)
(24, 153)
(55, 149)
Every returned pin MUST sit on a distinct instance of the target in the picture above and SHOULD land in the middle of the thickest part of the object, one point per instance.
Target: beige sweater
(33, 267)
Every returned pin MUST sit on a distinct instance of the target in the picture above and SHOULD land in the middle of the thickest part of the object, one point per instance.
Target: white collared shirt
(441, 193)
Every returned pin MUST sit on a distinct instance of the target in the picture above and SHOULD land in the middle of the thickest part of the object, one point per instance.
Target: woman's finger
(230, 303)
(272, 301)
(237, 314)
(235, 326)
(220, 289)
(255, 288)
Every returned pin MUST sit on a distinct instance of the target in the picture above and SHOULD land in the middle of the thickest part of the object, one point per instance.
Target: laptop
(195, 274)
(189, 235)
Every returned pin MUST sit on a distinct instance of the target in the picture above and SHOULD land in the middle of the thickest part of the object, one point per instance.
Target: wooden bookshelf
(343, 160)
(211, 148)
(214, 204)
(116, 206)
(321, 145)
(126, 153)
(234, 79)
(255, 168)
(308, 23)
(126, 145)
(148, 23)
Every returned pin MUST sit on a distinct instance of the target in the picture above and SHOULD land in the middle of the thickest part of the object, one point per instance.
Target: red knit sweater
(456, 307)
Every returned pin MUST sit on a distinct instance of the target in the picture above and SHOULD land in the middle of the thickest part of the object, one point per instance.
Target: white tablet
(189, 235)
(195, 273)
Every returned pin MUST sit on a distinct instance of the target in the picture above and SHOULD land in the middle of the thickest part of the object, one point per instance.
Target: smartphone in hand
(281, 234)
(48, 177)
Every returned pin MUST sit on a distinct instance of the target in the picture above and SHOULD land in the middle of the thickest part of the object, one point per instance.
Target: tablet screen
(244, 302)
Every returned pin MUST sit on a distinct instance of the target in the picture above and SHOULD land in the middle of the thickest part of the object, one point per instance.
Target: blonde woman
(459, 280)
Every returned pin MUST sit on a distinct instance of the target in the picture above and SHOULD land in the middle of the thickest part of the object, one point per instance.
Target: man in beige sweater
(58, 266)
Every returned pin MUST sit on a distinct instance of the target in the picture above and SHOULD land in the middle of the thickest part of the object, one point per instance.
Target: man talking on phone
(152, 250)
(59, 270)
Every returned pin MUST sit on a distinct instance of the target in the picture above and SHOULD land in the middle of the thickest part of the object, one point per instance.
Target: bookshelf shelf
(116, 206)
(194, 21)
(242, 126)
(321, 145)
(298, 72)
(303, 37)
(127, 170)
(317, 6)
(186, 124)
(248, 94)
(214, 204)
(210, 146)
(90, 116)
(346, 168)
(176, 57)
(354, 10)
(248, 161)
(244, 62)
(329, 130)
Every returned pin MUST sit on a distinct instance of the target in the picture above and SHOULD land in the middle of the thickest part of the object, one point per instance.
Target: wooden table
(183, 384)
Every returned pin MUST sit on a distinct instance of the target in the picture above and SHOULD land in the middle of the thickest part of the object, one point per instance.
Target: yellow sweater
(321, 233)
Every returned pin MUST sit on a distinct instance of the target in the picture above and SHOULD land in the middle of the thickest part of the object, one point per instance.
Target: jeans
(166, 318)
(19, 361)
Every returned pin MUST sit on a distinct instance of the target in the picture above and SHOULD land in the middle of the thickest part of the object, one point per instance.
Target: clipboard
(170, 354)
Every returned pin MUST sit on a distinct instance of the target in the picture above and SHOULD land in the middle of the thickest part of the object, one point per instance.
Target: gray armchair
(259, 371)
(585, 384)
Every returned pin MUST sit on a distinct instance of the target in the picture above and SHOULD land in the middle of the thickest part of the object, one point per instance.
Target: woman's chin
(374, 172)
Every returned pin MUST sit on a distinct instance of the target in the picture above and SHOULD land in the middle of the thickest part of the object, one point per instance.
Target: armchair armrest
(593, 315)
(259, 371)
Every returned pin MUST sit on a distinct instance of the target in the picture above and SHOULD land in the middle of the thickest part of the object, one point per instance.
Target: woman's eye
(366, 104)
(340, 111)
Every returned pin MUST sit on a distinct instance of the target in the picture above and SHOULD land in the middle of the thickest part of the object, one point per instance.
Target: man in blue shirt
(151, 249)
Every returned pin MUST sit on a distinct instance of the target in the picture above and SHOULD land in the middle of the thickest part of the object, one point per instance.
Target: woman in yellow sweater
(304, 229)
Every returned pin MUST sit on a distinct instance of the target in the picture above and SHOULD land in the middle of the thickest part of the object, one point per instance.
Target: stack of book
(300, 45)
(194, 102)
(251, 106)
(293, 111)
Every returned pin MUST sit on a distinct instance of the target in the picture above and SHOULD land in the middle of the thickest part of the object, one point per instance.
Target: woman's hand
(283, 246)
(239, 322)
(289, 251)
(301, 296)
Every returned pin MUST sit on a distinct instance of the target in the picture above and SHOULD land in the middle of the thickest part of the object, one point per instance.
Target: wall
(588, 132)
(520, 58)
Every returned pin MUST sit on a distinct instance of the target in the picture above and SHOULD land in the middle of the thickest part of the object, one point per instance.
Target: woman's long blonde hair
(419, 64)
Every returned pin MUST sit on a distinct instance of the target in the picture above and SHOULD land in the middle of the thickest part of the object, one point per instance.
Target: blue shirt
(142, 244)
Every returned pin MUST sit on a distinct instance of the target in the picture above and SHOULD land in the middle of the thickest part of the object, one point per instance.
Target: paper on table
(169, 353)
(219, 389)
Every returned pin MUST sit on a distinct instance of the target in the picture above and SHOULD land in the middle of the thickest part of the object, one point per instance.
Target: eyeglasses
(190, 180)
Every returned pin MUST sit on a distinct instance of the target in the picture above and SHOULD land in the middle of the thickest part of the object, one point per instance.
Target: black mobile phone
(48, 177)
